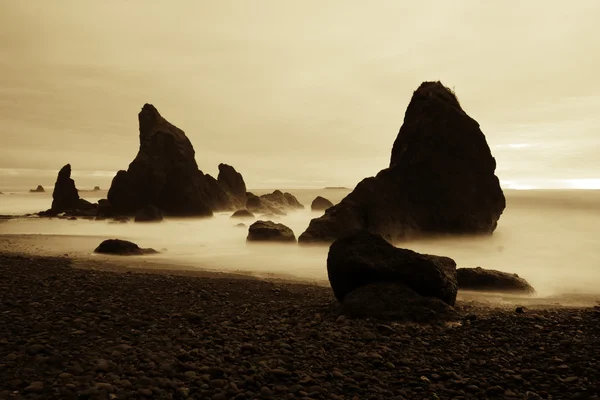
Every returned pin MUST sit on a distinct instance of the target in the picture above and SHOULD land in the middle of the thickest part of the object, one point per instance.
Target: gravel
(72, 333)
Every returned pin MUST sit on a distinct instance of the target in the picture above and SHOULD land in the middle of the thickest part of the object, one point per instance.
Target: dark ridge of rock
(441, 179)
(276, 202)
(271, 232)
(395, 301)
(148, 213)
(242, 214)
(122, 248)
(320, 204)
(490, 280)
(165, 174)
(365, 258)
(96, 189)
(65, 195)
(233, 183)
(39, 189)
(253, 202)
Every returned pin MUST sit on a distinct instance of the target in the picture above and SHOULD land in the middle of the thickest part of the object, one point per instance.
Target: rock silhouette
(242, 214)
(122, 248)
(270, 231)
(39, 189)
(441, 179)
(96, 188)
(492, 281)
(320, 204)
(364, 258)
(165, 174)
(272, 203)
(65, 196)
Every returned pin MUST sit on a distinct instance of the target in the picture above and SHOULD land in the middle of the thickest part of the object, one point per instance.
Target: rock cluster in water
(441, 179)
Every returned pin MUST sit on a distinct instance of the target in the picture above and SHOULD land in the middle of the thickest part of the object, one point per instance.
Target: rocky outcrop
(165, 174)
(268, 231)
(242, 214)
(395, 301)
(277, 202)
(122, 248)
(441, 179)
(96, 189)
(39, 189)
(148, 213)
(320, 204)
(490, 280)
(65, 197)
(365, 258)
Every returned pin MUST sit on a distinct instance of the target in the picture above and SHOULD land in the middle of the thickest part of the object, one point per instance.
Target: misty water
(549, 237)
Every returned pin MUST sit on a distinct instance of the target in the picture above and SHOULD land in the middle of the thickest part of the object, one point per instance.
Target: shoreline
(68, 332)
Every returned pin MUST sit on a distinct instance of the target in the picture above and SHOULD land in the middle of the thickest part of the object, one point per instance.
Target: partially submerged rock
(122, 248)
(148, 213)
(65, 198)
(320, 204)
(39, 189)
(395, 301)
(490, 280)
(165, 174)
(269, 231)
(365, 258)
(277, 202)
(242, 214)
(441, 179)
(96, 189)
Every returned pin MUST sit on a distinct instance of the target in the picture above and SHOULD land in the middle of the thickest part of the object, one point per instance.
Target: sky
(295, 94)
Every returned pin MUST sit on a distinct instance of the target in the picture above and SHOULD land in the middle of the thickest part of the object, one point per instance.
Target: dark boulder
(122, 248)
(242, 214)
(490, 280)
(441, 179)
(395, 301)
(365, 258)
(148, 213)
(270, 231)
(165, 174)
(320, 204)
(39, 189)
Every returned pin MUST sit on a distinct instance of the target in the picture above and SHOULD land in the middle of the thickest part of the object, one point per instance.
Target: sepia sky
(295, 93)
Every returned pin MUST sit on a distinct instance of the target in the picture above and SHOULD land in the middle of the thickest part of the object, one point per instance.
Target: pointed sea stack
(441, 179)
(165, 174)
(65, 195)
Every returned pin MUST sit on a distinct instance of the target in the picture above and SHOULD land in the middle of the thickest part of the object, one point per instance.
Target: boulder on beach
(165, 174)
(490, 280)
(148, 213)
(122, 248)
(320, 204)
(269, 231)
(395, 301)
(441, 179)
(39, 189)
(242, 214)
(364, 258)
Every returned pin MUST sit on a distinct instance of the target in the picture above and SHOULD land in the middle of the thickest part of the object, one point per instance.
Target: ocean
(549, 237)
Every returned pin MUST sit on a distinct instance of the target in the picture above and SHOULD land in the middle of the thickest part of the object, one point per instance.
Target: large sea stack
(164, 174)
(441, 179)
